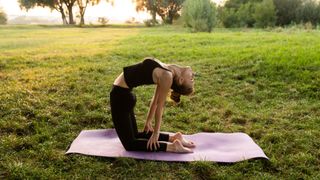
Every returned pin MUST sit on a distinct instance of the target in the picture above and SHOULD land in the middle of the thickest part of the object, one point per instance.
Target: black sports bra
(141, 73)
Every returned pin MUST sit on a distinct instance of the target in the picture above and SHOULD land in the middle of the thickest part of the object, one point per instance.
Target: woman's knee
(129, 146)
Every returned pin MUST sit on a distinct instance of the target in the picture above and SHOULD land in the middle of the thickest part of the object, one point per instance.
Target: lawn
(55, 81)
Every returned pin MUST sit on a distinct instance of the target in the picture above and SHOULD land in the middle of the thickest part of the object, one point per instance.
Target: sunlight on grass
(55, 82)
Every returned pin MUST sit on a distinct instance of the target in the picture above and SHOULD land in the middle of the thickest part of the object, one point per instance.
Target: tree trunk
(82, 18)
(63, 15)
(154, 15)
(64, 19)
(70, 4)
(169, 19)
(82, 9)
(71, 21)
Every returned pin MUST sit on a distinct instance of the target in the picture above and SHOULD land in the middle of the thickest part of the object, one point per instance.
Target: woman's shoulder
(151, 59)
(156, 62)
(163, 77)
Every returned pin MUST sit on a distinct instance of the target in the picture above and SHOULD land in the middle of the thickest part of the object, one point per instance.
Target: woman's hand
(148, 127)
(153, 142)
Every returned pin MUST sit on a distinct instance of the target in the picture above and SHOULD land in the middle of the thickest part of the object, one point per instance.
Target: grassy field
(55, 82)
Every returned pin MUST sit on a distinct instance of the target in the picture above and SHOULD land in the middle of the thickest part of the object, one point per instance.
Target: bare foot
(179, 148)
(184, 142)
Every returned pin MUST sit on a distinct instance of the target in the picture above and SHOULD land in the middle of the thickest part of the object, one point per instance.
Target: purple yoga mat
(217, 147)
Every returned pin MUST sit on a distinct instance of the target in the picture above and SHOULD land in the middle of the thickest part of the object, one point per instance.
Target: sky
(121, 11)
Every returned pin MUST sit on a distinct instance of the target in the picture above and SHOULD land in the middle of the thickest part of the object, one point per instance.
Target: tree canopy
(168, 10)
(262, 13)
(57, 5)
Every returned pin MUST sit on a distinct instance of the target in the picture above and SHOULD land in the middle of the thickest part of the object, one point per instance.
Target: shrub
(150, 22)
(103, 20)
(200, 15)
(308, 25)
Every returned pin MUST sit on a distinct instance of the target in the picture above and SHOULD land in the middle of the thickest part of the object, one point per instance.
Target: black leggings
(122, 102)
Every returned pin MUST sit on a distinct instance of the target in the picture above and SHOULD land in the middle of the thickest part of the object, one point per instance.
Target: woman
(122, 100)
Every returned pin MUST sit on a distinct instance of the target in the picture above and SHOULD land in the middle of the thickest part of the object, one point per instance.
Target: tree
(309, 12)
(166, 9)
(265, 14)
(82, 4)
(3, 17)
(245, 14)
(286, 11)
(238, 13)
(169, 10)
(149, 5)
(228, 17)
(69, 4)
(235, 4)
(52, 4)
(200, 15)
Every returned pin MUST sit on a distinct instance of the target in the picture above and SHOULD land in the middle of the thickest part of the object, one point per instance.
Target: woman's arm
(163, 87)
(152, 109)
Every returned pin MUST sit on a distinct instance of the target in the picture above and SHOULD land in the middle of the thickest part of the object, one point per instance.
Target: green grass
(55, 82)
